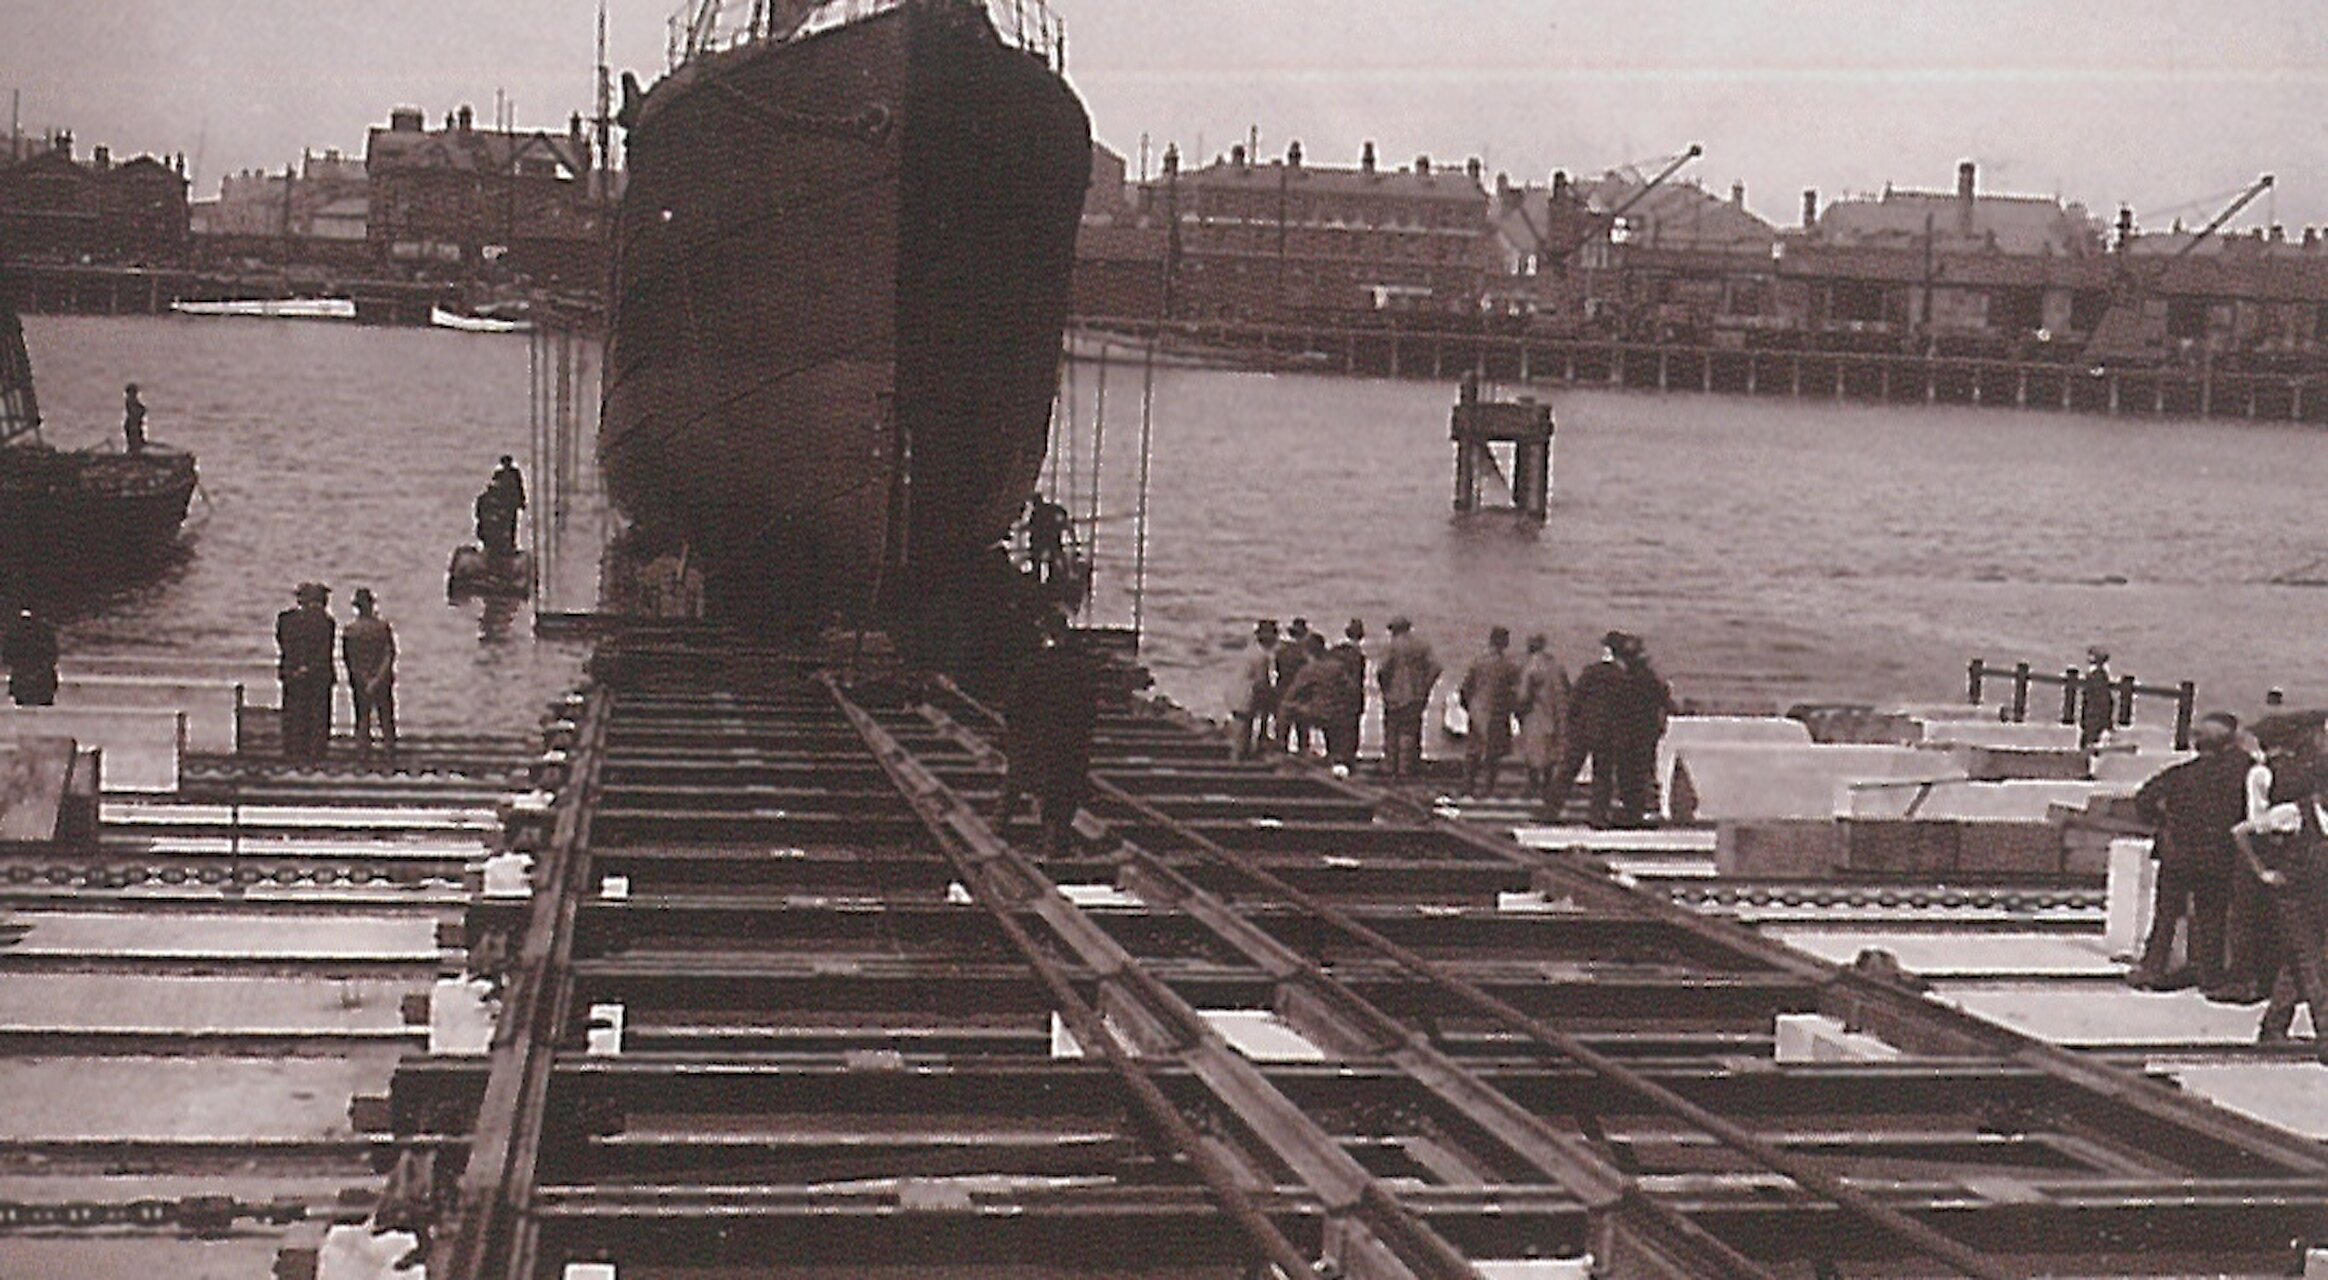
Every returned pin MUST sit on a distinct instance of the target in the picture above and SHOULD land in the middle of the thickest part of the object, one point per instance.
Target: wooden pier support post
(2020, 692)
(1477, 425)
(2186, 699)
(1973, 673)
(2069, 686)
(2125, 700)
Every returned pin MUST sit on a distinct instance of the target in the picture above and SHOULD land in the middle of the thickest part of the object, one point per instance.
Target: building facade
(56, 207)
(1284, 239)
(461, 196)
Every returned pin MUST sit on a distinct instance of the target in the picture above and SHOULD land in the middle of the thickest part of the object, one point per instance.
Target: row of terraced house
(1955, 271)
(447, 202)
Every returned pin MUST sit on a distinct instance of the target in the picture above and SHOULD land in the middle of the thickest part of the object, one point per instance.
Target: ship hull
(842, 274)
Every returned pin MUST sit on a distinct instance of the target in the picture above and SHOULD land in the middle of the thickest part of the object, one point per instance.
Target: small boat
(476, 322)
(471, 572)
(273, 308)
(82, 515)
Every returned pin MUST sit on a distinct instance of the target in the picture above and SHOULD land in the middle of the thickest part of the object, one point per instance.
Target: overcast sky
(2172, 105)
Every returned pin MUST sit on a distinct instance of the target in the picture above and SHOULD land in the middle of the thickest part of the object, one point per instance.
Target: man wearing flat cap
(303, 644)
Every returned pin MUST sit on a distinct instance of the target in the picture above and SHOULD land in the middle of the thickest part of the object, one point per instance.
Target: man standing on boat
(133, 415)
(368, 646)
(303, 643)
(30, 650)
(497, 508)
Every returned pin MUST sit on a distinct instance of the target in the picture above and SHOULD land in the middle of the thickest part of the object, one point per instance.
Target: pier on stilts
(777, 998)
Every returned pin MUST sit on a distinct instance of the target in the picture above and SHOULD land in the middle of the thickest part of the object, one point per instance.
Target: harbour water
(1772, 551)
(329, 451)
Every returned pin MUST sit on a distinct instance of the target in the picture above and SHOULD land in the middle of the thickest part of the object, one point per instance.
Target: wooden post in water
(2125, 700)
(2186, 699)
(2020, 692)
(2069, 695)
(1477, 425)
(1972, 680)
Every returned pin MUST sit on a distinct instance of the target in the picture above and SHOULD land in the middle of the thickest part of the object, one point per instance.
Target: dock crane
(1620, 230)
(2133, 330)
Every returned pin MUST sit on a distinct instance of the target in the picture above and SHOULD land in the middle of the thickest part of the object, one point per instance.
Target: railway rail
(784, 1001)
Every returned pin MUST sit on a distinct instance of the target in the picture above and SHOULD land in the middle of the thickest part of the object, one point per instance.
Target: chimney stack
(1472, 168)
(1737, 195)
(101, 157)
(464, 118)
(1366, 157)
(2125, 227)
(1965, 173)
(1810, 208)
(1423, 165)
(1293, 154)
(1560, 184)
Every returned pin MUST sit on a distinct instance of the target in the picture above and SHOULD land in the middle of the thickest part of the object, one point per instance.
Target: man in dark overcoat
(303, 645)
(2193, 806)
(1047, 730)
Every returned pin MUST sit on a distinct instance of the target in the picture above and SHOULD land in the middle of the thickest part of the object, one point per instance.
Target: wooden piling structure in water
(1478, 425)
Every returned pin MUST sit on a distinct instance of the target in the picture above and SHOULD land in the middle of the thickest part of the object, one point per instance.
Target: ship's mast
(601, 174)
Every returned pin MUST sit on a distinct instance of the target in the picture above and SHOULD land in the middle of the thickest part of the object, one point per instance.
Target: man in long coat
(303, 643)
(1597, 706)
(1489, 692)
(1404, 675)
(1047, 730)
(2193, 806)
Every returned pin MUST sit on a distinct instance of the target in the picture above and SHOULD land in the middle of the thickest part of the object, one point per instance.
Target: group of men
(1611, 716)
(1292, 688)
(1291, 684)
(367, 648)
(2243, 869)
